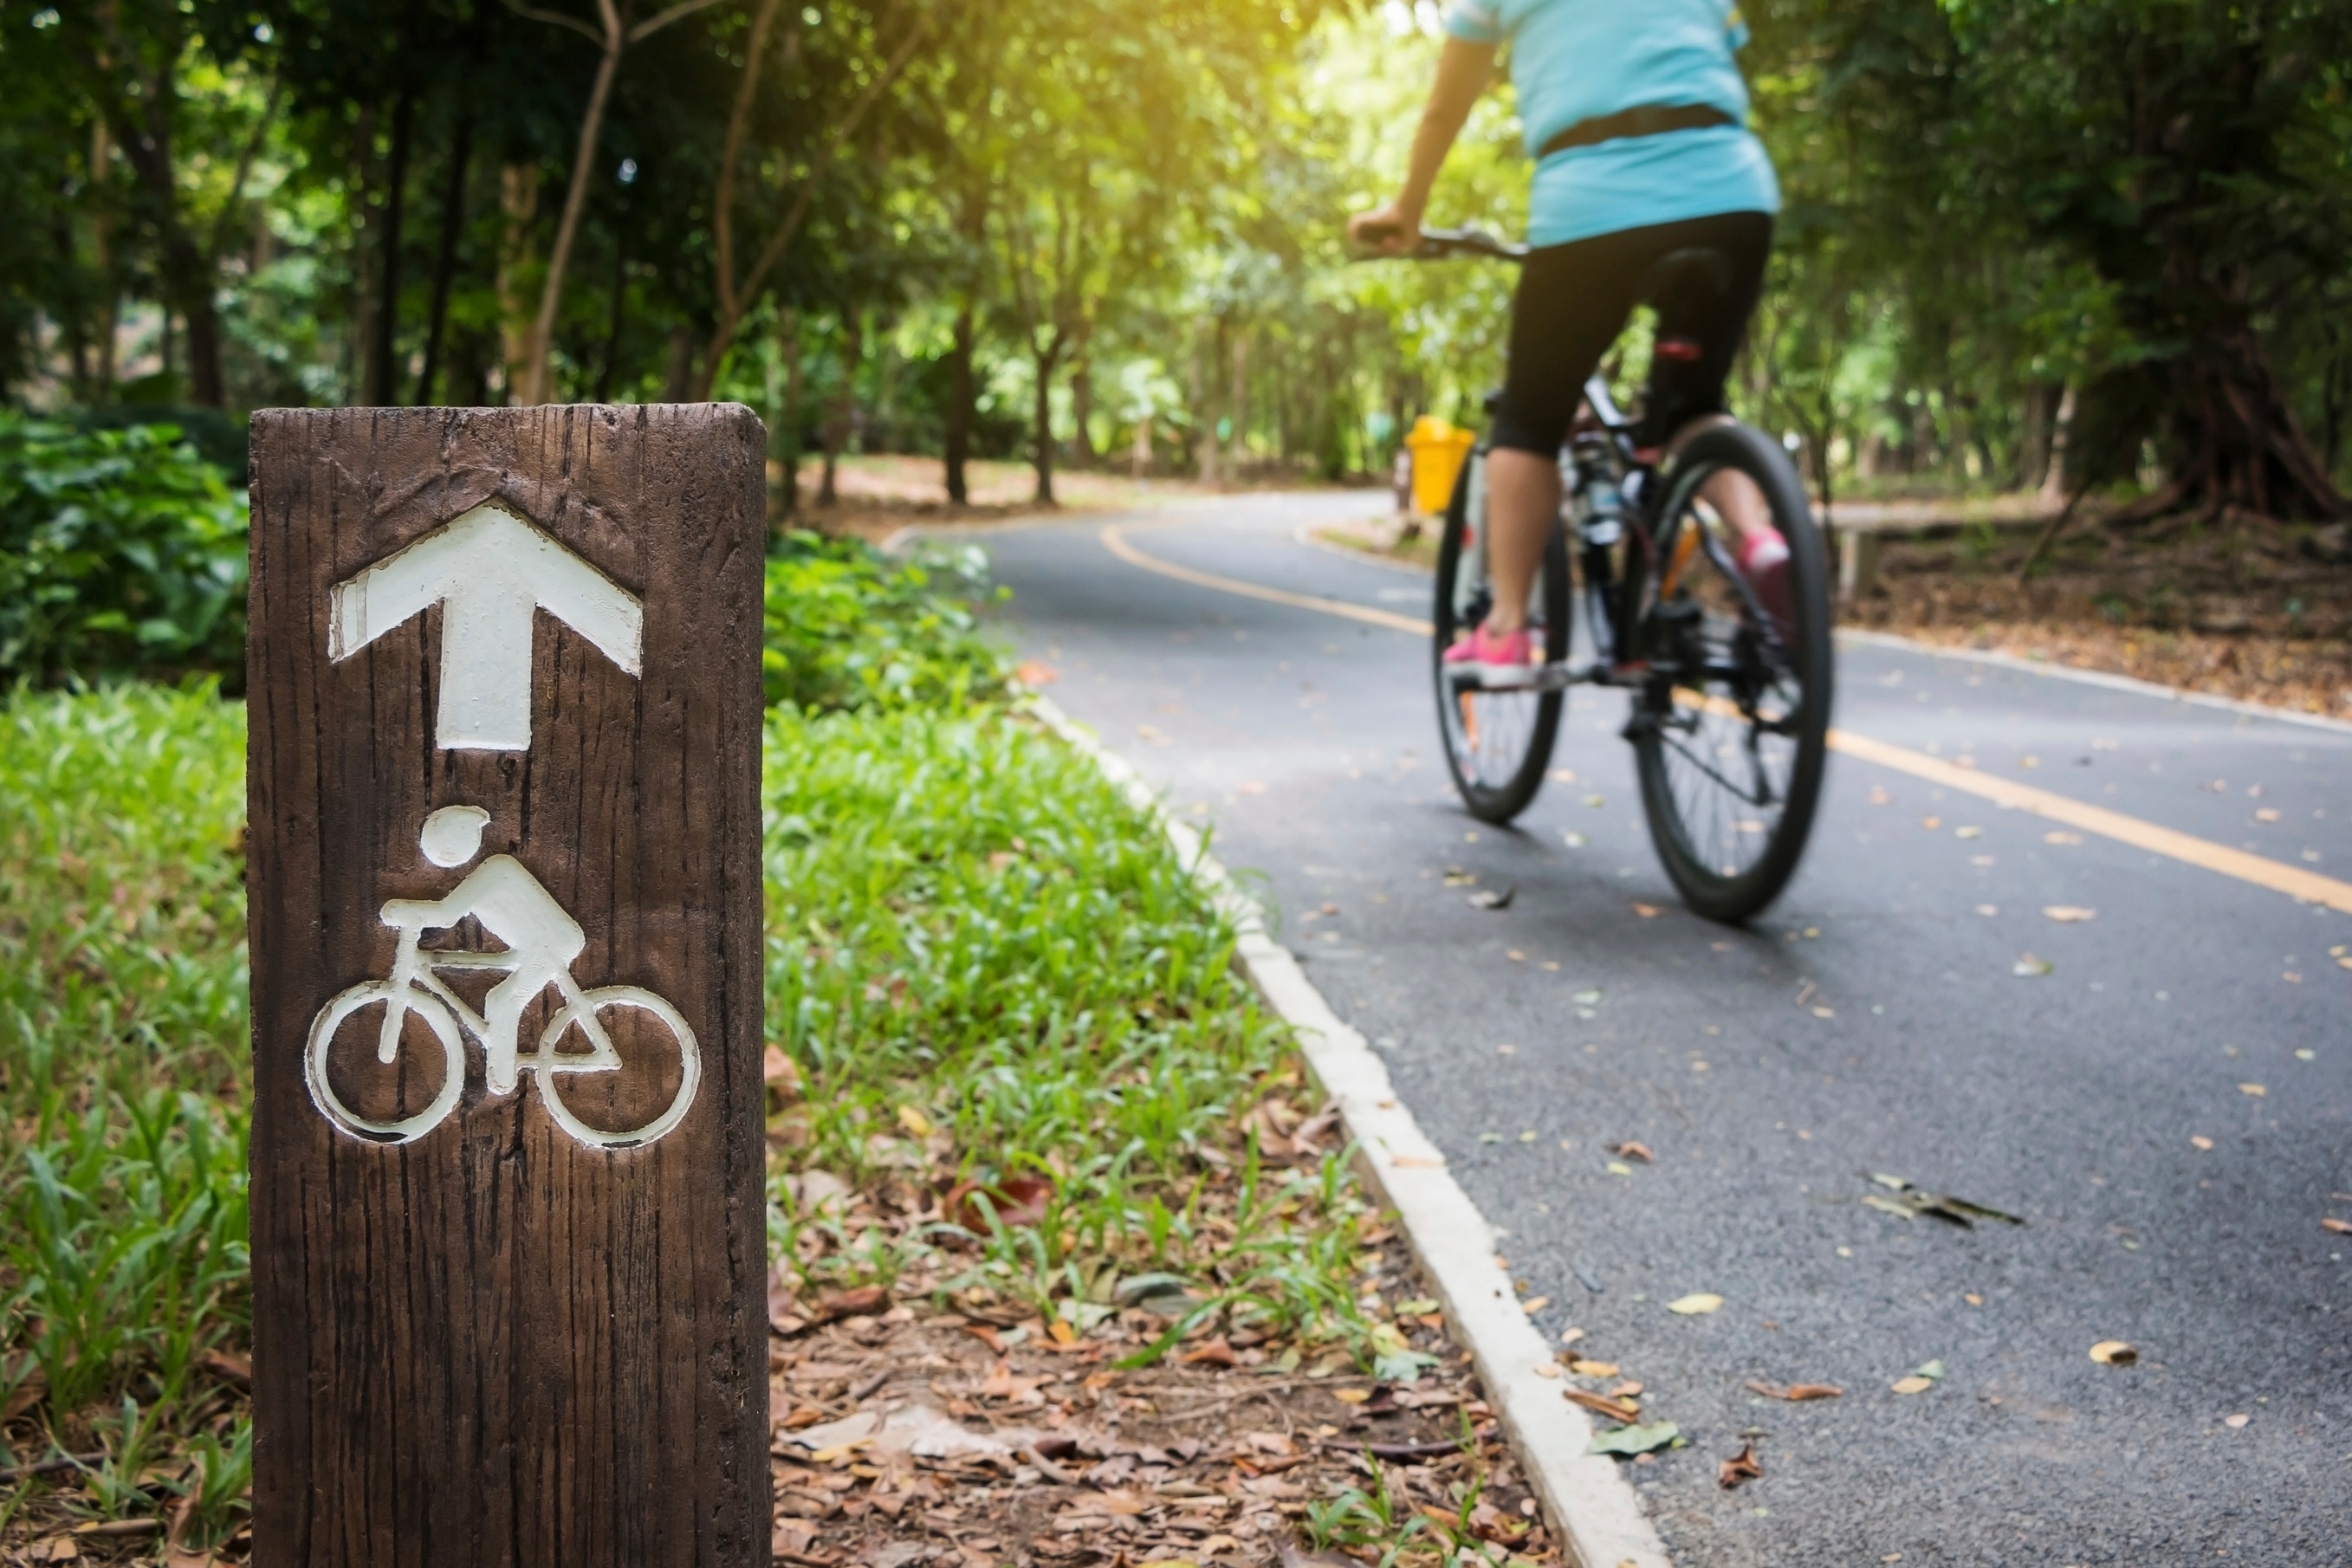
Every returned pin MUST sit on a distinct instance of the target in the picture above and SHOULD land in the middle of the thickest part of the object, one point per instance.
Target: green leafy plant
(848, 627)
(120, 552)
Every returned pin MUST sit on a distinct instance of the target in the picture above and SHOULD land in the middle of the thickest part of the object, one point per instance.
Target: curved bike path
(2168, 1104)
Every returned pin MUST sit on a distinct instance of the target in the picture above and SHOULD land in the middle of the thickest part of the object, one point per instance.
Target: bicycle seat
(1695, 269)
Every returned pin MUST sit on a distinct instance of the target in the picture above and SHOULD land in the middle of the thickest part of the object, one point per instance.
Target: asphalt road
(1873, 1022)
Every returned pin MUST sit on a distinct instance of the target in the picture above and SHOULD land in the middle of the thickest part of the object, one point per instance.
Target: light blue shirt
(1578, 59)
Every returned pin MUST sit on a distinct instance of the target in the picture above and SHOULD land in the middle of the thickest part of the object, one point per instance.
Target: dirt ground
(878, 494)
(963, 1438)
(2254, 609)
(2251, 611)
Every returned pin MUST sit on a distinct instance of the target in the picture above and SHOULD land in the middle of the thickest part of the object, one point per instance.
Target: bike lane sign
(504, 884)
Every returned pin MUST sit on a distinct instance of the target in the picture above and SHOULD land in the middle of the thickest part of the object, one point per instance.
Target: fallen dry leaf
(1796, 1392)
(2257, 1091)
(1593, 1368)
(2113, 1353)
(1029, 672)
(863, 1301)
(1649, 911)
(914, 1121)
(1632, 1150)
(2069, 914)
(1602, 1405)
(2340, 1226)
(2234, 1422)
(1696, 1305)
(1740, 1466)
(1210, 1353)
(1931, 823)
(2199, 1141)
(1913, 1384)
(1351, 1395)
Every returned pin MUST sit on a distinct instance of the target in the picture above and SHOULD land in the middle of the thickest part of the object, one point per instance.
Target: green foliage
(850, 627)
(121, 551)
(962, 918)
(122, 1063)
(966, 920)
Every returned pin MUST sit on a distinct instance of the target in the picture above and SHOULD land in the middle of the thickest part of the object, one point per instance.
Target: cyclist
(512, 906)
(1636, 118)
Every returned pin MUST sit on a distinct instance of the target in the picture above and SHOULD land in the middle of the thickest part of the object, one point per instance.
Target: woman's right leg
(1571, 303)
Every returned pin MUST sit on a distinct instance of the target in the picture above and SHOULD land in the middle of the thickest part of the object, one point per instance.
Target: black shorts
(1574, 300)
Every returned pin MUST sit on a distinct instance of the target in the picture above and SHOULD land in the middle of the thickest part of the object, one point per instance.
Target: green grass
(984, 964)
(989, 967)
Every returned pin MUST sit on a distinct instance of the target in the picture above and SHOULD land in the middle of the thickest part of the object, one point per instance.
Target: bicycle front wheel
(1731, 730)
(643, 1031)
(1498, 742)
(389, 1086)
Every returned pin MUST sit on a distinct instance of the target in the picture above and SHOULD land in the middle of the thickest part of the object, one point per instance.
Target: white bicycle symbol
(542, 942)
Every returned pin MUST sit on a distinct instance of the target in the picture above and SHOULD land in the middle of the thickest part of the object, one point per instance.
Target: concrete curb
(1589, 1507)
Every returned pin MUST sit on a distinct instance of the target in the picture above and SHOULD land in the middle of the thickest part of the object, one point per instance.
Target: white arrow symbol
(489, 572)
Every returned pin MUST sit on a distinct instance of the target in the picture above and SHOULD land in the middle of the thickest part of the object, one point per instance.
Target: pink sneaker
(1764, 558)
(1501, 657)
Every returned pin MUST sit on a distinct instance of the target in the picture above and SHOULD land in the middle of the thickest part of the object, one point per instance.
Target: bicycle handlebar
(1443, 244)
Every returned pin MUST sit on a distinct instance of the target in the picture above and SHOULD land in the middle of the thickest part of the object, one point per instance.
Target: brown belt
(1643, 119)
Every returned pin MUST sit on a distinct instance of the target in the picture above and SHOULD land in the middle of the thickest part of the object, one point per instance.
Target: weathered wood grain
(495, 1344)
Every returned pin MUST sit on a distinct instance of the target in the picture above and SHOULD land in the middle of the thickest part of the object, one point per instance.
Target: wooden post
(509, 1252)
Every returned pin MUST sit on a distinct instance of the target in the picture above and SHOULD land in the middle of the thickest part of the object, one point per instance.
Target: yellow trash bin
(1438, 450)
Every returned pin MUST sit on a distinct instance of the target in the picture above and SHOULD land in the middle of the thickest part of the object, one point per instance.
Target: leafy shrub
(120, 552)
(847, 627)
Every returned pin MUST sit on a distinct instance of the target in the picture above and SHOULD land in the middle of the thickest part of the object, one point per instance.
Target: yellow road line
(1114, 538)
(2309, 887)
(2293, 881)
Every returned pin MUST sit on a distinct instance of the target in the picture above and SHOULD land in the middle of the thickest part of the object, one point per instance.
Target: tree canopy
(2086, 243)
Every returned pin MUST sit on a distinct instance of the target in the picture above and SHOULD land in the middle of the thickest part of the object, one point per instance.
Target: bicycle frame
(413, 969)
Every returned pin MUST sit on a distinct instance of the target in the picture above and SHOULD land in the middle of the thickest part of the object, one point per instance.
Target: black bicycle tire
(1733, 901)
(1502, 805)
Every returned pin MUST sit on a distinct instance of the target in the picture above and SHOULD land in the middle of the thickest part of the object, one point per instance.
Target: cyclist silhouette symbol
(539, 943)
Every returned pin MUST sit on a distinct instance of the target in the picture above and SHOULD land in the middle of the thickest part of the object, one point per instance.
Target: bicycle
(414, 986)
(1729, 718)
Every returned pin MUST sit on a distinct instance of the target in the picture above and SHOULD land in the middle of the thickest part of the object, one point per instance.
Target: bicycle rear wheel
(1731, 731)
(1498, 743)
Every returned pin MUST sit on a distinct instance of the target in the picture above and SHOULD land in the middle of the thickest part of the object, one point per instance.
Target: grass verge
(1018, 1096)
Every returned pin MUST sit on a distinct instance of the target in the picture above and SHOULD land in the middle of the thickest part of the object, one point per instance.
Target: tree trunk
(385, 342)
(2238, 434)
(1237, 405)
(1082, 414)
(785, 439)
(536, 384)
(519, 204)
(1139, 456)
(615, 316)
(1205, 412)
(187, 272)
(101, 151)
(445, 259)
(677, 379)
(1041, 417)
(845, 406)
(960, 395)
